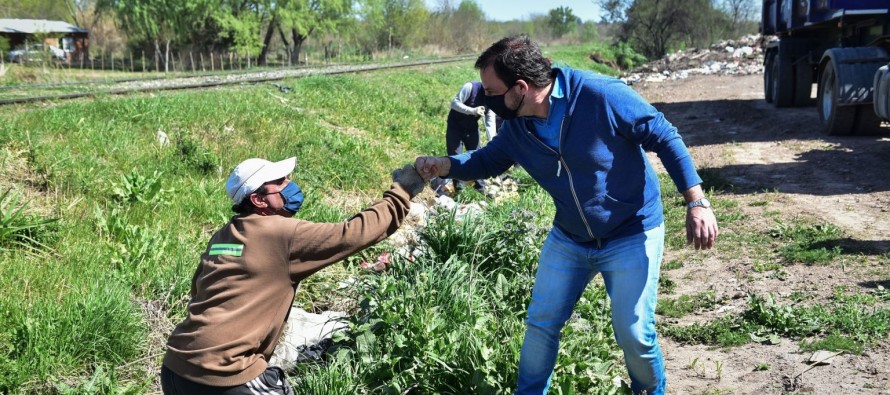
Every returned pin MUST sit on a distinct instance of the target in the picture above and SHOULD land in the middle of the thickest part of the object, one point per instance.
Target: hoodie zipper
(560, 165)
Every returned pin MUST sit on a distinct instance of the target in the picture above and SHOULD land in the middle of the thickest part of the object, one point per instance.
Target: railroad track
(122, 87)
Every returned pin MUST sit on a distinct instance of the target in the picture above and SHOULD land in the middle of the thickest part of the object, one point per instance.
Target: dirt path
(777, 155)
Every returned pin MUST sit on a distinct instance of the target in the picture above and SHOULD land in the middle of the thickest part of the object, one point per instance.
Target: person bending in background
(245, 283)
(467, 108)
(583, 137)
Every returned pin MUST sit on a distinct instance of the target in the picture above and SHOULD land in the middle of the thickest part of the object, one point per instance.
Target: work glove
(480, 111)
(409, 179)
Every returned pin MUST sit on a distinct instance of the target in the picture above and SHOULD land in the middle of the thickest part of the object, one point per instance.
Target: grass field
(101, 226)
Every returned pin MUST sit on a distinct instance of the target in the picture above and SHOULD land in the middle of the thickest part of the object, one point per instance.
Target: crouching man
(244, 286)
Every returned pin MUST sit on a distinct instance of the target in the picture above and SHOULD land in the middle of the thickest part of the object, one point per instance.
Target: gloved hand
(480, 111)
(409, 179)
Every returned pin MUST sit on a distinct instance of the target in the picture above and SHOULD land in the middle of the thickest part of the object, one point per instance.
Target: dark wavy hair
(517, 58)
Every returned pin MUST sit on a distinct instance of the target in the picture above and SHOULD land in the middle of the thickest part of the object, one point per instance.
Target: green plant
(672, 265)
(807, 244)
(626, 57)
(103, 381)
(686, 304)
(135, 249)
(190, 153)
(137, 188)
(20, 230)
(848, 326)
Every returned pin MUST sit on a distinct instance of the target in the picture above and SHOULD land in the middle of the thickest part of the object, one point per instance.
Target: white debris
(162, 138)
(305, 336)
(732, 57)
(823, 357)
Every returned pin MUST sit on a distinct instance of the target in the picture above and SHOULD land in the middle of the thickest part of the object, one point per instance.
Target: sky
(506, 10)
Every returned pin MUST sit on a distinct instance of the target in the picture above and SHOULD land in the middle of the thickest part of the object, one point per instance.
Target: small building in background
(64, 36)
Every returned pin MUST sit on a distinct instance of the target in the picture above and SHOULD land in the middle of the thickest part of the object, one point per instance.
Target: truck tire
(782, 82)
(836, 120)
(768, 60)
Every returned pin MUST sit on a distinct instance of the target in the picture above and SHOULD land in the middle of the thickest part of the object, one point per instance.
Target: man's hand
(430, 167)
(701, 227)
(480, 111)
(701, 224)
(409, 179)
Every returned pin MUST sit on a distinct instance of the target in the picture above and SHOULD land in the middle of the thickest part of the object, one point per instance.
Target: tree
(462, 28)
(86, 13)
(653, 26)
(240, 24)
(162, 21)
(562, 21)
(303, 17)
(394, 23)
(613, 11)
(739, 12)
(34, 9)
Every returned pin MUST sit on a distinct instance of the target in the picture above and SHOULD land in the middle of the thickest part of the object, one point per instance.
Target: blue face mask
(292, 196)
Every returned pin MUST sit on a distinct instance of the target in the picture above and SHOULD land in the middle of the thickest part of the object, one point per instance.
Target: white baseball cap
(251, 174)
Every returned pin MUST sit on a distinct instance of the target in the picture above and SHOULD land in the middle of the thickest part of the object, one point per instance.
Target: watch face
(705, 202)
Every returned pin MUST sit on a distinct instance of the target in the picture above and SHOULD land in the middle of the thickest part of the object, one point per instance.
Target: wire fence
(195, 61)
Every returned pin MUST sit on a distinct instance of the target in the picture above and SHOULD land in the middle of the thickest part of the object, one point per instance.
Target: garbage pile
(731, 57)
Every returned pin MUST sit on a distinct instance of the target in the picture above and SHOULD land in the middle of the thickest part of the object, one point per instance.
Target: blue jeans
(630, 268)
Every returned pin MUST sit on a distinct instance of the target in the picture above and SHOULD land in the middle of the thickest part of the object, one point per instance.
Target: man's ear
(258, 201)
(523, 86)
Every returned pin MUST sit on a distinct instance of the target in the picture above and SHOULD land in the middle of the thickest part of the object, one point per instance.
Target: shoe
(479, 186)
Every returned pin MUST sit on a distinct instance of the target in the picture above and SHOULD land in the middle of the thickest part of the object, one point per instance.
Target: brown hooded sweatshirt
(243, 288)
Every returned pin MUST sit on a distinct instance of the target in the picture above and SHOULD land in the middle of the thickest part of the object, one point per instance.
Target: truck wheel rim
(827, 96)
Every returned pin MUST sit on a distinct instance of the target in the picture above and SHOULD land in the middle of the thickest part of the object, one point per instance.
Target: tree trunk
(167, 57)
(298, 45)
(157, 56)
(287, 47)
(261, 60)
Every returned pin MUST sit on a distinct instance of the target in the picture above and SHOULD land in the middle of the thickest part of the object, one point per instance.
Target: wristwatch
(703, 202)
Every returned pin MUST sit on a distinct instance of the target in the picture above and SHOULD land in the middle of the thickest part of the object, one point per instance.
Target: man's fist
(409, 179)
(480, 111)
(430, 167)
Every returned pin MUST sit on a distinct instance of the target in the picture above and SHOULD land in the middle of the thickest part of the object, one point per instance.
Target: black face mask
(499, 106)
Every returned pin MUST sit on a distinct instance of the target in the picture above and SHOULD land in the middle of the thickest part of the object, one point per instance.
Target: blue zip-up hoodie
(599, 178)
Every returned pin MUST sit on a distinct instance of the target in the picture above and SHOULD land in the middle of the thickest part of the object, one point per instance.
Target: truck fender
(882, 92)
(855, 70)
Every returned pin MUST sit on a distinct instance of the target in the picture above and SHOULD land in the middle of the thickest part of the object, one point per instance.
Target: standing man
(583, 137)
(467, 108)
(244, 286)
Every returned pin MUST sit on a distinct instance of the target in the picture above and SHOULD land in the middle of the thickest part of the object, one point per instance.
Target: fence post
(201, 59)
(143, 60)
(212, 62)
(192, 60)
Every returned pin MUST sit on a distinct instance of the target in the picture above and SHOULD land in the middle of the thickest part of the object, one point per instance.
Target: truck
(843, 46)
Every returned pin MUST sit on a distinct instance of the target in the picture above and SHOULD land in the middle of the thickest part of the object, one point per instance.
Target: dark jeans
(272, 382)
(454, 135)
